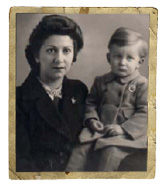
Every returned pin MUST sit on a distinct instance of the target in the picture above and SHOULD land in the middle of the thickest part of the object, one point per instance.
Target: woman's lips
(58, 68)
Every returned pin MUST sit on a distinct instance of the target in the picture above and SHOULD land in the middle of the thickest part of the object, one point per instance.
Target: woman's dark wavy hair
(52, 25)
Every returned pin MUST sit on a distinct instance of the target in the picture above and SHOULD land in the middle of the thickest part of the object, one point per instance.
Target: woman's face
(55, 57)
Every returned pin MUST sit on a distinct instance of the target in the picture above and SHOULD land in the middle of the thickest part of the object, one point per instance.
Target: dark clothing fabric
(46, 130)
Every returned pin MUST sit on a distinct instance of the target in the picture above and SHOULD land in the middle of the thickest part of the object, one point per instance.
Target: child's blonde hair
(125, 36)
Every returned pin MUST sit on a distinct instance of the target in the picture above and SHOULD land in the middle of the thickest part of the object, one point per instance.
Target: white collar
(51, 92)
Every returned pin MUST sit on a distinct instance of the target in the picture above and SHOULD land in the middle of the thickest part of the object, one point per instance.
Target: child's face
(124, 60)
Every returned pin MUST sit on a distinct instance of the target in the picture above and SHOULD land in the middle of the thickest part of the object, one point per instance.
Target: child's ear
(108, 57)
(141, 61)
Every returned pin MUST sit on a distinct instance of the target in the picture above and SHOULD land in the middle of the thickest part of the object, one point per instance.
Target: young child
(116, 108)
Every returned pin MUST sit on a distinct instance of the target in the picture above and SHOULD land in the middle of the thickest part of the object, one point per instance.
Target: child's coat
(118, 101)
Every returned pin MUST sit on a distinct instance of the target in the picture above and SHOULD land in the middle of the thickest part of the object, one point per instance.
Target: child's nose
(123, 61)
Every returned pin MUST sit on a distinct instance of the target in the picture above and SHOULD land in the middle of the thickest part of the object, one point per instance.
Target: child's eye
(117, 56)
(130, 58)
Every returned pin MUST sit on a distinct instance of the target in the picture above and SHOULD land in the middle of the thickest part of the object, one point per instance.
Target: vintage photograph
(66, 122)
(81, 92)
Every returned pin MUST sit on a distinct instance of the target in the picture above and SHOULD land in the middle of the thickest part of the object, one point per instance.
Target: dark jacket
(45, 134)
(118, 101)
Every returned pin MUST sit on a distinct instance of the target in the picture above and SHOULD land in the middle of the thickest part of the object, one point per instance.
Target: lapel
(68, 92)
(71, 97)
(52, 116)
(33, 90)
(72, 107)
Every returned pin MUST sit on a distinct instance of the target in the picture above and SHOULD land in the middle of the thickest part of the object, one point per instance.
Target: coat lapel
(52, 116)
(72, 107)
(45, 106)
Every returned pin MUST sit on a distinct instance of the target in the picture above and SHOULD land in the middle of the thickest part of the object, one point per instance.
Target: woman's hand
(95, 125)
(114, 130)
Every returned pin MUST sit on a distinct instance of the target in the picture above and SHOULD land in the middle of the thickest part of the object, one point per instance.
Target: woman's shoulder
(31, 88)
(75, 86)
(18, 92)
(76, 83)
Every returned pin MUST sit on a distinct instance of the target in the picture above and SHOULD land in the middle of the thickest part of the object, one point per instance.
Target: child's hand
(114, 130)
(96, 125)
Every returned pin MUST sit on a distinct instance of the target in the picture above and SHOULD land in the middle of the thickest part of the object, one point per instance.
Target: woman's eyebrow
(68, 46)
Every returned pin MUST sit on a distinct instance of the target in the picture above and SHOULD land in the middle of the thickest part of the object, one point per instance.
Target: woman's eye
(66, 50)
(51, 50)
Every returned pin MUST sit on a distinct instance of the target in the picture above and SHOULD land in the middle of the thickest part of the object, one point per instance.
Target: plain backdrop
(97, 30)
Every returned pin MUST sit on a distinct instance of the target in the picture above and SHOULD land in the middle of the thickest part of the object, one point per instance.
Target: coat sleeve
(92, 102)
(136, 125)
(22, 138)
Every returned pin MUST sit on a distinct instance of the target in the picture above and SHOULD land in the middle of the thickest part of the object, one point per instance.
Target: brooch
(132, 88)
(73, 100)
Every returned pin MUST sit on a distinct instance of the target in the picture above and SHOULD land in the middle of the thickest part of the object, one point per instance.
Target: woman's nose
(59, 57)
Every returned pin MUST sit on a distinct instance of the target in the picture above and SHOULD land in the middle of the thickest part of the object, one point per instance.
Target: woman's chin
(58, 73)
(57, 76)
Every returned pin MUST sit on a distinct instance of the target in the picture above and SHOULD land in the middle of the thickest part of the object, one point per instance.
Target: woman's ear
(37, 59)
(108, 57)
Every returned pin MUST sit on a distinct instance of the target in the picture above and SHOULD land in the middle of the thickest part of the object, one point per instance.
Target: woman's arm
(22, 137)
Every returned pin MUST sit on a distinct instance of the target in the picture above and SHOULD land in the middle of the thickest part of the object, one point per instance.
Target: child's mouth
(122, 70)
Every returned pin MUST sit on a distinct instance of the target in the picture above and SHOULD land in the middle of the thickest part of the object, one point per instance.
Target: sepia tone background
(97, 30)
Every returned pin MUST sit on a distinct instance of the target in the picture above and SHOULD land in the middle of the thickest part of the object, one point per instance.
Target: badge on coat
(73, 100)
(132, 88)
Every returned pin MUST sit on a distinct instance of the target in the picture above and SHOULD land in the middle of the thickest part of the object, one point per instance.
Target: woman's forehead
(59, 40)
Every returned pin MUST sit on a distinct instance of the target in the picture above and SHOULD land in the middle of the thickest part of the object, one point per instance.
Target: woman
(49, 106)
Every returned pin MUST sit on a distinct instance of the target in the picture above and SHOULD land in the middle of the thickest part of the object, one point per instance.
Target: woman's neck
(53, 84)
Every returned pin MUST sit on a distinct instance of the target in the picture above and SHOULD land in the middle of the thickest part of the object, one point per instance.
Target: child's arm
(94, 125)
(136, 125)
(91, 118)
(114, 130)
(92, 102)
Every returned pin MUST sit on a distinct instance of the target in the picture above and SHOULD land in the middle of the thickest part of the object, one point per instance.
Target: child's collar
(127, 79)
(123, 80)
